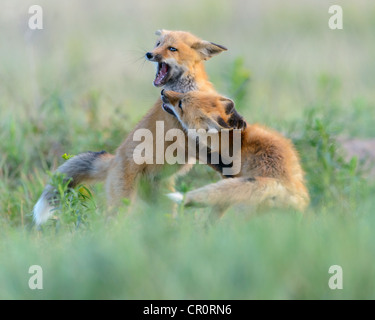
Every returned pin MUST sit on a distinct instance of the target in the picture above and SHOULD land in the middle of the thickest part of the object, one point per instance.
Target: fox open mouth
(162, 74)
(168, 109)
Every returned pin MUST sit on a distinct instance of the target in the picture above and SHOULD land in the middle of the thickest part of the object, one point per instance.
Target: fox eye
(180, 104)
(173, 49)
(158, 44)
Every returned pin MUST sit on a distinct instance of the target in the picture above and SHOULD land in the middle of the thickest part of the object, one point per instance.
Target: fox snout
(153, 57)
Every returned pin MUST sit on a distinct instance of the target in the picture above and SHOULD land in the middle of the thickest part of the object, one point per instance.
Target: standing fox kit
(270, 171)
(179, 57)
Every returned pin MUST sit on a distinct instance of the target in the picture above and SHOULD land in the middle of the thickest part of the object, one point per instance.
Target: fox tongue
(163, 70)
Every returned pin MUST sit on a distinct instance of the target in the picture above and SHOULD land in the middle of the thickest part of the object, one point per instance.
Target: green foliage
(118, 253)
(142, 251)
(88, 95)
(334, 182)
(238, 81)
(75, 207)
(67, 156)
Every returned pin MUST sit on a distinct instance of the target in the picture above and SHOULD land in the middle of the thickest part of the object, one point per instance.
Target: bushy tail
(85, 167)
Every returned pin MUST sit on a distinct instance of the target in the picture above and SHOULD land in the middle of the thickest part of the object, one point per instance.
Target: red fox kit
(270, 172)
(179, 57)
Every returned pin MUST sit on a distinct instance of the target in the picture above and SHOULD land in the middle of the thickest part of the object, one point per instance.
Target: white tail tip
(177, 197)
(42, 211)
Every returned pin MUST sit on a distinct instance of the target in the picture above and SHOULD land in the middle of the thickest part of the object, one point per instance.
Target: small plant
(333, 180)
(67, 156)
(74, 206)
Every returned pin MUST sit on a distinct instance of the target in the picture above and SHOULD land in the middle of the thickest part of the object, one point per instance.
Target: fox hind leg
(257, 192)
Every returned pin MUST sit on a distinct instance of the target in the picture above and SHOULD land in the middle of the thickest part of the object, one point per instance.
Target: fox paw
(177, 197)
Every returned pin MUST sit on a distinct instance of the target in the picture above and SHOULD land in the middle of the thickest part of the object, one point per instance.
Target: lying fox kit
(270, 172)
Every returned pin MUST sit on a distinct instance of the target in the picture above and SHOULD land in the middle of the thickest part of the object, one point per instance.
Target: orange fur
(122, 177)
(270, 174)
(186, 72)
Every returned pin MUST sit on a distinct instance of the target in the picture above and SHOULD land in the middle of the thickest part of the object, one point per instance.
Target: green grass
(277, 256)
(73, 88)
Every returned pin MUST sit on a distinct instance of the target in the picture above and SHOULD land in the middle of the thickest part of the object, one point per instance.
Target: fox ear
(160, 32)
(208, 49)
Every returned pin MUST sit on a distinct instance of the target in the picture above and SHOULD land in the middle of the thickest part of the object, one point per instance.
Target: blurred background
(82, 83)
(292, 55)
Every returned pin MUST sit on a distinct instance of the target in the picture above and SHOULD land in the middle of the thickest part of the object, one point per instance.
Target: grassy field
(82, 83)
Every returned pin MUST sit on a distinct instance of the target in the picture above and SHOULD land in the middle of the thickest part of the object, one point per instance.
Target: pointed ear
(161, 32)
(208, 49)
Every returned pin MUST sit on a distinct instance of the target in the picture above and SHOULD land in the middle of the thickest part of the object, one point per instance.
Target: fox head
(202, 110)
(179, 54)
